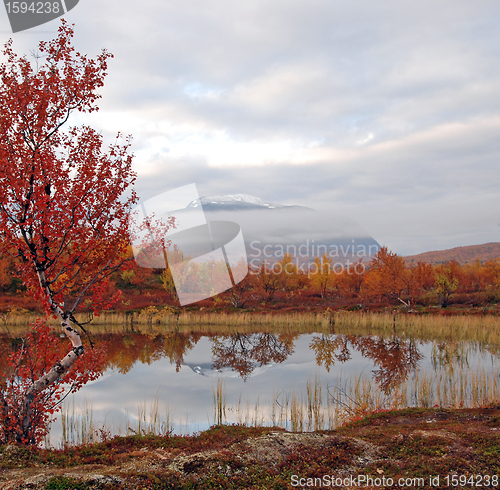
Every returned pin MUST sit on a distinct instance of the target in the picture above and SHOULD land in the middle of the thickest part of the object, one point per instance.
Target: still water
(261, 376)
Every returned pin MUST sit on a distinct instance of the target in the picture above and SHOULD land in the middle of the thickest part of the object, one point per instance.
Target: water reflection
(243, 353)
(450, 354)
(260, 366)
(123, 351)
(394, 358)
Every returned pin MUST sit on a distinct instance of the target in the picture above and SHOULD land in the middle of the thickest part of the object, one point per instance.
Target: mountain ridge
(463, 255)
(236, 202)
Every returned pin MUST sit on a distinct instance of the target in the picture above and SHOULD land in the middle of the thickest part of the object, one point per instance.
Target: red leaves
(35, 355)
(61, 193)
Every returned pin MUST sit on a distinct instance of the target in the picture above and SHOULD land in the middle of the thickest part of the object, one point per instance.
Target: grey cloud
(365, 52)
(424, 192)
(394, 105)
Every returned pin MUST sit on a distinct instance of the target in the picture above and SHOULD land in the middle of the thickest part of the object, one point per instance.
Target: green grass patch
(65, 483)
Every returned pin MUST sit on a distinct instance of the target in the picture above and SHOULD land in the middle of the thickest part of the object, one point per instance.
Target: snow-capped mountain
(233, 202)
(271, 229)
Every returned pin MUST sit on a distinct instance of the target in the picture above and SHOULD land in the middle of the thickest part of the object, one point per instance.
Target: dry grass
(150, 421)
(323, 407)
(79, 424)
(220, 403)
(151, 320)
(480, 328)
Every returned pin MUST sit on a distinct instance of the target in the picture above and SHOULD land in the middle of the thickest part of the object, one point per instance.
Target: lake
(300, 379)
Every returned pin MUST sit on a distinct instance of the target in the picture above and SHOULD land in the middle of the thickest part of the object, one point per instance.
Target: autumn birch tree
(386, 276)
(64, 199)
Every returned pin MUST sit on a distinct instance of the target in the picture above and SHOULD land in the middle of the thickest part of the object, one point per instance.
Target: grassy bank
(407, 447)
(480, 328)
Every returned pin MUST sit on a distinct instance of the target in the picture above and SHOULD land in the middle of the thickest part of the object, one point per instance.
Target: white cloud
(386, 111)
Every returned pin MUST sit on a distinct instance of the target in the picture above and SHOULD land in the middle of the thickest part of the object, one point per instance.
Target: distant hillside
(462, 255)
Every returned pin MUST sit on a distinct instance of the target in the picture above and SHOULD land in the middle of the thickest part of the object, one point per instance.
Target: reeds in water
(149, 420)
(78, 425)
(318, 406)
(220, 403)
(325, 407)
(480, 328)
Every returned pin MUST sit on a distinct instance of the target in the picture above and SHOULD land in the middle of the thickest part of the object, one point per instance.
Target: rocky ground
(414, 448)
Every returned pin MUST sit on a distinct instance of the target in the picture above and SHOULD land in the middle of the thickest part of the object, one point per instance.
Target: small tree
(446, 283)
(242, 292)
(63, 204)
(291, 278)
(386, 276)
(267, 282)
(322, 275)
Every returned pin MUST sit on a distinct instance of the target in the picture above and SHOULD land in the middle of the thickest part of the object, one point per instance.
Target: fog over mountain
(234, 202)
(271, 229)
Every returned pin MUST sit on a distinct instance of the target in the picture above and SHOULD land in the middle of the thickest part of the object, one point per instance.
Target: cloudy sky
(384, 112)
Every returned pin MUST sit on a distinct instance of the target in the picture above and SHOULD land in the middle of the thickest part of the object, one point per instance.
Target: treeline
(385, 280)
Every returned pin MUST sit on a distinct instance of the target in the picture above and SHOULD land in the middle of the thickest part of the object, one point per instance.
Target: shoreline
(408, 444)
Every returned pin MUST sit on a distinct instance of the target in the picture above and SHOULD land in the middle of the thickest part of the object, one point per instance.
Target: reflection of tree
(395, 357)
(176, 345)
(326, 347)
(123, 351)
(243, 353)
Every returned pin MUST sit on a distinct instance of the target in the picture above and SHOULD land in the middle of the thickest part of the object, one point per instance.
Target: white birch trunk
(61, 366)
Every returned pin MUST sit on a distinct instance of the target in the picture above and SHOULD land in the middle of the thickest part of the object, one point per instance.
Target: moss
(64, 483)
(417, 446)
